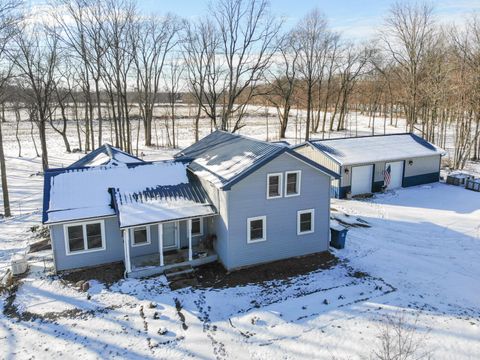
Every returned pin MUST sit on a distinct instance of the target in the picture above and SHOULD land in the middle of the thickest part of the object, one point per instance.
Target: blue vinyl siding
(219, 225)
(147, 248)
(248, 199)
(113, 248)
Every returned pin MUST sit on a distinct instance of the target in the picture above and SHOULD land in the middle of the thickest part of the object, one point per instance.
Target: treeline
(106, 62)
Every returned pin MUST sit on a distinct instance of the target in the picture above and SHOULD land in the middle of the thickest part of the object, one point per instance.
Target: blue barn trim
(421, 179)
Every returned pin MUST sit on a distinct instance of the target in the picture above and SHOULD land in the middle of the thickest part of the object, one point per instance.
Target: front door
(396, 174)
(170, 235)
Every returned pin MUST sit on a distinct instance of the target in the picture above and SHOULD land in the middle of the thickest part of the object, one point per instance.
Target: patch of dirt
(214, 275)
(360, 275)
(107, 274)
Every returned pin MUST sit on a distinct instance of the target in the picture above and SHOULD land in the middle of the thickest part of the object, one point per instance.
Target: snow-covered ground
(420, 257)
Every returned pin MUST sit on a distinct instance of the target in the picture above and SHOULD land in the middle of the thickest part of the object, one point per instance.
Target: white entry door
(170, 235)
(396, 174)
(362, 177)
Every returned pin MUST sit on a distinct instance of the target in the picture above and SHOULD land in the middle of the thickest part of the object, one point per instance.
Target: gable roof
(368, 149)
(83, 193)
(224, 158)
(106, 155)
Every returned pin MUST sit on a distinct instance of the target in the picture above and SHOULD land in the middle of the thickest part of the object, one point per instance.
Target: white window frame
(306, 211)
(85, 243)
(299, 182)
(132, 236)
(201, 227)
(280, 185)
(264, 229)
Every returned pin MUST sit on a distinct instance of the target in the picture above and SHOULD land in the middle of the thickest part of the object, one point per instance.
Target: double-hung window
(84, 237)
(292, 183)
(274, 186)
(256, 229)
(305, 221)
(197, 227)
(141, 236)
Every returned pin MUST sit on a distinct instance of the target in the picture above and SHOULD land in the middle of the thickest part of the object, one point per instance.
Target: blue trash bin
(338, 237)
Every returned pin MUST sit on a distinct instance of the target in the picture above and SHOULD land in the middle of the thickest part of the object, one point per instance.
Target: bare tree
(248, 42)
(155, 39)
(409, 28)
(118, 33)
(282, 80)
(310, 34)
(400, 340)
(9, 17)
(205, 71)
(173, 86)
(466, 45)
(36, 60)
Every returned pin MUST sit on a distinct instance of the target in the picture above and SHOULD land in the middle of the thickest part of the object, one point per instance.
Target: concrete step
(182, 271)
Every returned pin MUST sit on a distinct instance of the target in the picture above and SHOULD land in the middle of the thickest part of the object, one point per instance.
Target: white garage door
(362, 179)
(396, 174)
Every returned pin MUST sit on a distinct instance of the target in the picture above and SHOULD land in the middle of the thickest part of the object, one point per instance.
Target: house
(227, 197)
(369, 164)
(106, 155)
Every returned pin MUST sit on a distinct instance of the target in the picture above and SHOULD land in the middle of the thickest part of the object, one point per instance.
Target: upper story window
(256, 229)
(84, 237)
(197, 227)
(274, 186)
(292, 183)
(305, 221)
(141, 236)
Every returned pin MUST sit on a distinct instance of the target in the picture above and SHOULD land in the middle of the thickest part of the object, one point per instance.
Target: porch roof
(162, 204)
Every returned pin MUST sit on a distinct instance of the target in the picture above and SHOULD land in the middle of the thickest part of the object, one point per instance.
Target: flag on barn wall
(387, 176)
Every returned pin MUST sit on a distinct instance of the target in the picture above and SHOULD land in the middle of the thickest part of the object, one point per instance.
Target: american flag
(387, 177)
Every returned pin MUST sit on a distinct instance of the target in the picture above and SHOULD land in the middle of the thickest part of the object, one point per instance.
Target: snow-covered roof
(83, 193)
(106, 155)
(368, 149)
(162, 203)
(223, 158)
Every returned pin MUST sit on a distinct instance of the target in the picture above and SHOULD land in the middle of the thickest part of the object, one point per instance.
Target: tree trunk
(3, 169)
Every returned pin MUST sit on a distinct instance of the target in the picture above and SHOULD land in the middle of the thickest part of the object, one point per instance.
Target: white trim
(68, 222)
(299, 213)
(126, 244)
(160, 242)
(201, 226)
(190, 251)
(299, 182)
(84, 233)
(280, 185)
(132, 235)
(264, 229)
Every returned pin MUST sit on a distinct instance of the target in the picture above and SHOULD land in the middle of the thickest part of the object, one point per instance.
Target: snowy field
(419, 259)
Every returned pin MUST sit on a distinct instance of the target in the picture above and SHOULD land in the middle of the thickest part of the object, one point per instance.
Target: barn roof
(106, 155)
(83, 193)
(368, 149)
(224, 158)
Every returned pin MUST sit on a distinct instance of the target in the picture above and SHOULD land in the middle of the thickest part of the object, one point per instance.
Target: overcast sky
(357, 19)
